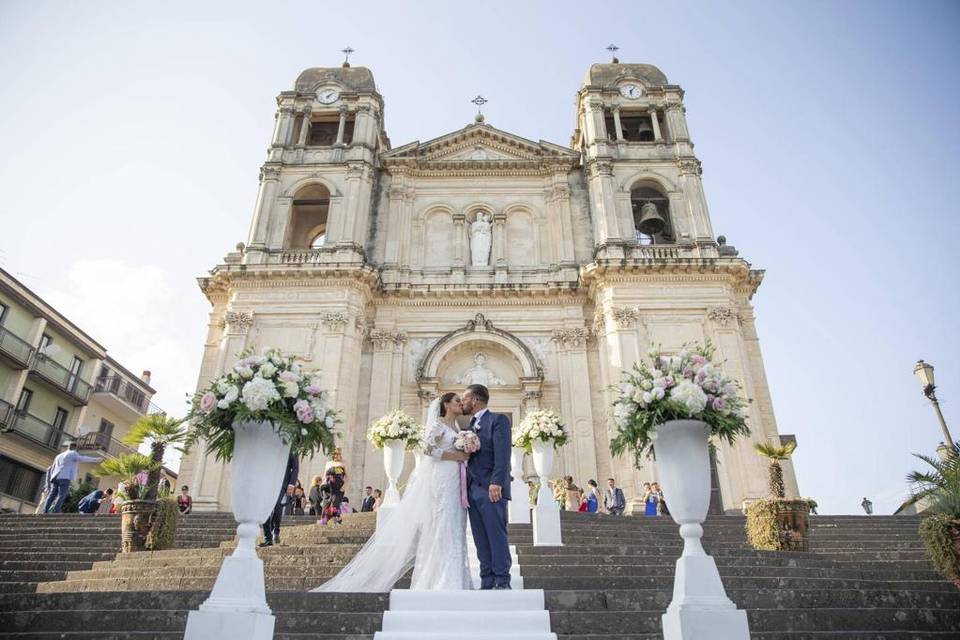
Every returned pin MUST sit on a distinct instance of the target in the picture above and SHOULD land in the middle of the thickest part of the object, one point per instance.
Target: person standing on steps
(368, 500)
(271, 528)
(649, 500)
(184, 501)
(572, 494)
(488, 488)
(613, 500)
(61, 473)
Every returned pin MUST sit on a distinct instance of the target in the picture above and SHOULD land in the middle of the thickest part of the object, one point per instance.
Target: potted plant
(136, 511)
(161, 432)
(540, 433)
(394, 433)
(938, 489)
(253, 416)
(672, 407)
(778, 524)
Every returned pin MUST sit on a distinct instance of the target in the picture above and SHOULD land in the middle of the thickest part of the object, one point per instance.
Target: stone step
(665, 583)
(534, 571)
(747, 560)
(526, 551)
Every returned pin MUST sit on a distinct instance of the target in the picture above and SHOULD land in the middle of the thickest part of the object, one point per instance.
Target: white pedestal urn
(519, 509)
(393, 465)
(700, 609)
(237, 606)
(546, 515)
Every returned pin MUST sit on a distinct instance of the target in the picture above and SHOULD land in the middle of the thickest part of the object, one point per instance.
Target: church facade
(539, 269)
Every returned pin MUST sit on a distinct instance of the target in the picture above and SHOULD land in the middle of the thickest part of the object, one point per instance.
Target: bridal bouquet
(264, 387)
(467, 441)
(542, 425)
(685, 386)
(396, 425)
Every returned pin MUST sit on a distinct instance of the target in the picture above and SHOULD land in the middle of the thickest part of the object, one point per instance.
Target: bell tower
(316, 185)
(642, 176)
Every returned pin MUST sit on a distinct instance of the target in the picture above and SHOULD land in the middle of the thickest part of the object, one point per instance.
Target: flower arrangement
(685, 386)
(266, 387)
(396, 425)
(467, 441)
(542, 425)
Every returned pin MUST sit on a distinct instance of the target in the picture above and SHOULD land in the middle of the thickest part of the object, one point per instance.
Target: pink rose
(699, 360)
(208, 402)
(288, 376)
(719, 404)
(304, 411)
(313, 390)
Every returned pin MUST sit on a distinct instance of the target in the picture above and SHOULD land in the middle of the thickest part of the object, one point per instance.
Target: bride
(427, 529)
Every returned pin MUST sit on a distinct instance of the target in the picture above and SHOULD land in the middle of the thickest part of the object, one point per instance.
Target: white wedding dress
(426, 530)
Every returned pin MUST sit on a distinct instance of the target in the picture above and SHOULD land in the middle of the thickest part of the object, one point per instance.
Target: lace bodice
(439, 439)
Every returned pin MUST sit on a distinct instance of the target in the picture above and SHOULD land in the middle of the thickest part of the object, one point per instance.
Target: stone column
(384, 393)
(580, 459)
(656, 124)
(257, 237)
(304, 127)
(696, 200)
(677, 123)
(341, 126)
(558, 203)
(393, 222)
(356, 205)
(616, 122)
(284, 115)
(499, 221)
(459, 239)
(602, 195)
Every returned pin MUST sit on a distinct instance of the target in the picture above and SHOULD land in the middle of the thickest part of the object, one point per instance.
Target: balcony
(6, 415)
(103, 444)
(15, 349)
(32, 427)
(122, 396)
(61, 379)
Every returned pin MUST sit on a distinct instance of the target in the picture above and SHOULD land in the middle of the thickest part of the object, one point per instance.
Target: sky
(133, 133)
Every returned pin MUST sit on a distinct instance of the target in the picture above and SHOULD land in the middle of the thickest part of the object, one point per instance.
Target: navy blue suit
(271, 528)
(488, 520)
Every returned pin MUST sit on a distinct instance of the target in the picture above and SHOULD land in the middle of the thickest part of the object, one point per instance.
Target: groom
(489, 488)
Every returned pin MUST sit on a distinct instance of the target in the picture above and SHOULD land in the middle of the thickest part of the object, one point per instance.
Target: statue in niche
(479, 373)
(480, 240)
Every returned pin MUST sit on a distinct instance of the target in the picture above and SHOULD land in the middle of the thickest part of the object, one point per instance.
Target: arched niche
(309, 213)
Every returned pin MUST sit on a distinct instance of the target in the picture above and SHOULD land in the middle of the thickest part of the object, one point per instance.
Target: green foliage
(127, 467)
(937, 532)
(163, 528)
(763, 525)
(768, 450)
(160, 432)
(636, 418)
(77, 492)
(939, 488)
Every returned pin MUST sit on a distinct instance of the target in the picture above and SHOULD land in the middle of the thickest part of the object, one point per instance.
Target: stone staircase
(865, 577)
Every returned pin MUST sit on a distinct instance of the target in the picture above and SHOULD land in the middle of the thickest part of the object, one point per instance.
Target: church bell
(645, 131)
(651, 222)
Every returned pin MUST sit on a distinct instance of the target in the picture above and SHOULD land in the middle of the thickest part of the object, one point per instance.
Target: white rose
(329, 422)
(647, 397)
(657, 393)
(290, 389)
(647, 385)
(267, 370)
(245, 372)
(628, 390)
(638, 397)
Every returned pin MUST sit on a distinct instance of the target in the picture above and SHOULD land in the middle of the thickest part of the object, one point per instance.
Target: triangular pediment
(478, 144)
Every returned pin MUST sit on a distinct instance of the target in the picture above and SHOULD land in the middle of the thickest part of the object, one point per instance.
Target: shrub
(77, 492)
(763, 525)
(163, 530)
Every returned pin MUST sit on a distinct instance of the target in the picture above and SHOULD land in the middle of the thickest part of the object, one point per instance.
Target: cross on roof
(613, 50)
(479, 101)
(346, 52)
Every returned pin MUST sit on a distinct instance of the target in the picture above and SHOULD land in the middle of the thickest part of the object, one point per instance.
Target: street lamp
(924, 373)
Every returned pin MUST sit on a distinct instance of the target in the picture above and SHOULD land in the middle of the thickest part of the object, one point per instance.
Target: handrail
(61, 377)
(15, 346)
(100, 441)
(34, 428)
(123, 389)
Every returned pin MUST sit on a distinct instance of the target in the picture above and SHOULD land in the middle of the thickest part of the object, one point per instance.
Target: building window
(45, 341)
(19, 481)
(106, 427)
(23, 404)
(308, 218)
(637, 128)
(60, 420)
(323, 133)
(76, 368)
(651, 216)
(3, 313)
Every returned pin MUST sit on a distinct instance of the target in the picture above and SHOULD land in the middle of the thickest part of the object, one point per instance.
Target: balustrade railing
(123, 389)
(99, 441)
(61, 377)
(15, 347)
(6, 415)
(36, 429)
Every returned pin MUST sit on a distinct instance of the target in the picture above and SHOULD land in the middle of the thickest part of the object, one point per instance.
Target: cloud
(138, 313)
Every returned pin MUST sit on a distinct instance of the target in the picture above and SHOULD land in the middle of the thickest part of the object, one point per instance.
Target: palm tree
(161, 432)
(127, 467)
(939, 487)
(776, 454)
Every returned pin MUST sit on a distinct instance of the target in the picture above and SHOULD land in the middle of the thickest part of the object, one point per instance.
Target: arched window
(651, 215)
(308, 218)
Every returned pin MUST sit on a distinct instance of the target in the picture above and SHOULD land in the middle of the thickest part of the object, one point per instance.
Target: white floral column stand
(393, 451)
(700, 609)
(237, 607)
(546, 515)
(519, 510)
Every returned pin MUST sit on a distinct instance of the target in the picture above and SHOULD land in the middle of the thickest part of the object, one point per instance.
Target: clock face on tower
(631, 91)
(328, 96)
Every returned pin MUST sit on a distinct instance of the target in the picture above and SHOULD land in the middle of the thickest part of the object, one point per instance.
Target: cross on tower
(613, 51)
(479, 101)
(346, 52)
